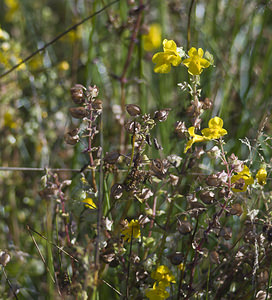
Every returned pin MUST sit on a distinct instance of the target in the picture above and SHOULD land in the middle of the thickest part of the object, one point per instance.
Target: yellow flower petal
(261, 176)
(89, 203)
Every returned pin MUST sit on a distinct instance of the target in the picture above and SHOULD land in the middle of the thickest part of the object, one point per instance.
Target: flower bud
(78, 112)
(133, 110)
(93, 91)
(161, 115)
(77, 93)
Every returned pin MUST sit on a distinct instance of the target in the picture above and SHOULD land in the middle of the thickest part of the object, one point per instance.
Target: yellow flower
(63, 66)
(244, 177)
(164, 60)
(195, 63)
(261, 176)
(152, 40)
(158, 292)
(89, 203)
(9, 120)
(132, 230)
(215, 130)
(196, 138)
(163, 275)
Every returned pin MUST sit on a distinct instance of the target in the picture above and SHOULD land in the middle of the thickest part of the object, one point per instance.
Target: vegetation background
(35, 101)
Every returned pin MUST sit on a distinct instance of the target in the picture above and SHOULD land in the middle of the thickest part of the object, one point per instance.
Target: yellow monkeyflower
(195, 63)
(9, 120)
(89, 203)
(132, 230)
(158, 292)
(261, 176)
(215, 130)
(244, 177)
(170, 56)
(196, 138)
(152, 40)
(163, 275)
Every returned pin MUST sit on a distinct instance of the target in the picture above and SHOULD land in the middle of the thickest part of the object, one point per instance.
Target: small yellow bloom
(89, 203)
(215, 130)
(245, 177)
(152, 40)
(163, 275)
(196, 138)
(158, 292)
(9, 120)
(181, 266)
(195, 63)
(261, 176)
(63, 66)
(170, 56)
(132, 230)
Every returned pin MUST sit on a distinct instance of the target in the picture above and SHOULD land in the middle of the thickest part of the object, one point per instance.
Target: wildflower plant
(147, 209)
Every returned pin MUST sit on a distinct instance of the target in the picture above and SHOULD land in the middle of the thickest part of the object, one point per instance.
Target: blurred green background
(35, 98)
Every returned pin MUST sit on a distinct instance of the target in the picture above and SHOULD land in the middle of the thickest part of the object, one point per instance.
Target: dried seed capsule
(184, 227)
(176, 258)
(97, 104)
(71, 140)
(132, 127)
(112, 157)
(161, 115)
(77, 93)
(117, 191)
(133, 110)
(4, 258)
(214, 257)
(207, 196)
(180, 129)
(78, 112)
(236, 209)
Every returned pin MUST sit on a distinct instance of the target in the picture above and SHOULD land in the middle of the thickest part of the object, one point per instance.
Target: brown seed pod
(4, 258)
(111, 157)
(133, 127)
(78, 112)
(97, 104)
(77, 93)
(117, 191)
(161, 115)
(133, 110)
(236, 209)
(184, 227)
(176, 258)
(207, 196)
(214, 257)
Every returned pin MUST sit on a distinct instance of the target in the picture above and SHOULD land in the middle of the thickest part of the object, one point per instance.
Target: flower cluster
(132, 230)
(164, 278)
(242, 179)
(172, 55)
(215, 131)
